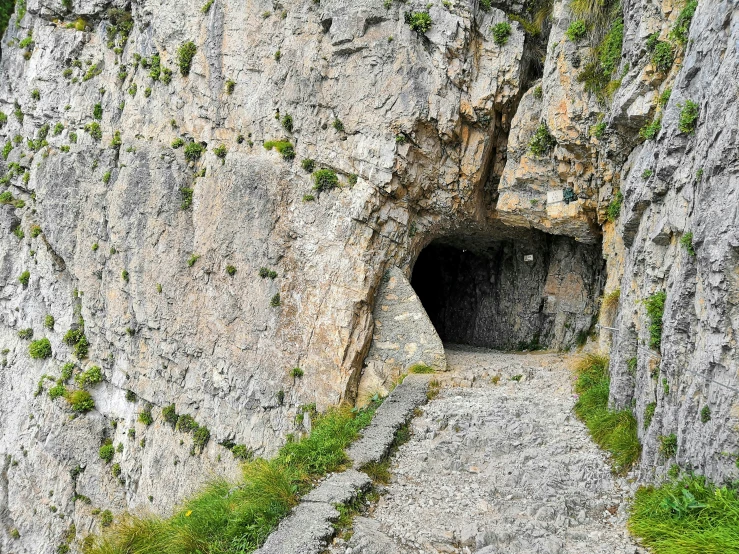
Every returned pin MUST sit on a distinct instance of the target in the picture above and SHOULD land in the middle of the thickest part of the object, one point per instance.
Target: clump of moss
(80, 401)
(40, 349)
(284, 147)
(24, 278)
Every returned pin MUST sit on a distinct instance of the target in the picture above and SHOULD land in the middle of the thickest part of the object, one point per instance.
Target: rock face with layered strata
(417, 129)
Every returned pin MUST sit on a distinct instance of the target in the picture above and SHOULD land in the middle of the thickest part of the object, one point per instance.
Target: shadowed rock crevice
(525, 292)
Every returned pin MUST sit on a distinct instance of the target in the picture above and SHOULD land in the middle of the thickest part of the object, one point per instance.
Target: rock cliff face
(201, 279)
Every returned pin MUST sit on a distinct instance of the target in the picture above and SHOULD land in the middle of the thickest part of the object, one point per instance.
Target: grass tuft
(228, 517)
(686, 516)
(655, 306)
(614, 431)
(422, 369)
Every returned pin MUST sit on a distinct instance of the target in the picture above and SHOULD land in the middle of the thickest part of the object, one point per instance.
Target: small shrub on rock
(145, 416)
(169, 413)
(688, 117)
(420, 22)
(650, 130)
(308, 165)
(193, 151)
(542, 142)
(686, 241)
(287, 123)
(662, 56)
(107, 451)
(501, 32)
(576, 31)
(185, 54)
(325, 179)
(92, 376)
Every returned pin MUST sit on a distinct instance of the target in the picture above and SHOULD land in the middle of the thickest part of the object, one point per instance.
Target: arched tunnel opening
(525, 291)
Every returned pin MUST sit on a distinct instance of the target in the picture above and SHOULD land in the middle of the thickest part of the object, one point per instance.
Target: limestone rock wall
(412, 125)
(691, 381)
(159, 257)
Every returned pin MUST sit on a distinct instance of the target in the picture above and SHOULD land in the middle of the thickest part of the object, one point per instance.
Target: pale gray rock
(403, 336)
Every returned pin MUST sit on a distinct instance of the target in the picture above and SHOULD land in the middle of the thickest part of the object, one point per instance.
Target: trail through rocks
(498, 468)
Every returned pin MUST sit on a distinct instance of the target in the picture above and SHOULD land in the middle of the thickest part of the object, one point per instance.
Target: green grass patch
(687, 516)
(655, 306)
(237, 517)
(614, 431)
(284, 147)
(422, 368)
(614, 207)
(681, 28)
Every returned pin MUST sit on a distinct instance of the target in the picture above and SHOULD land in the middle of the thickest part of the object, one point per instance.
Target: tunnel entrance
(532, 291)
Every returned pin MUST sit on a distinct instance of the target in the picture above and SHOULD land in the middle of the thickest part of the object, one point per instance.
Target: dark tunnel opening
(532, 291)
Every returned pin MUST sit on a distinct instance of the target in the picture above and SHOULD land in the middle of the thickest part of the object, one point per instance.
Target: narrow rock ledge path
(500, 468)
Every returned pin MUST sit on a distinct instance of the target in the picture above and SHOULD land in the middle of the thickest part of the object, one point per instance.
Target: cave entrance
(529, 291)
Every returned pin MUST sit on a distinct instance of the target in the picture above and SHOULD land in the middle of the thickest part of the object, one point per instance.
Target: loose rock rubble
(498, 468)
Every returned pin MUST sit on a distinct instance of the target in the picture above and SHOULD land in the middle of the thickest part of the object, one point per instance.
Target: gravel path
(498, 468)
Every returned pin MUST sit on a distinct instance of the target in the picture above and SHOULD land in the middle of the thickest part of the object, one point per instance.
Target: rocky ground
(498, 465)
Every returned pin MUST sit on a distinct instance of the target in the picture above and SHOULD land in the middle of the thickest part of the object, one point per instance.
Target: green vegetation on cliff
(686, 516)
(6, 10)
(237, 517)
(614, 431)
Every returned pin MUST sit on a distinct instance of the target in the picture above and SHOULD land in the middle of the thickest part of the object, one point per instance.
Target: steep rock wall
(422, 117)
(422, 152)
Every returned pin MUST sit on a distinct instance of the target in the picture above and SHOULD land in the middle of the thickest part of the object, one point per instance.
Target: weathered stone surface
(424, 155)
(498, 468)
(305, 531)
(396, 410)
(693, 189)
(309, 526)
(403, 336)
(339, 488)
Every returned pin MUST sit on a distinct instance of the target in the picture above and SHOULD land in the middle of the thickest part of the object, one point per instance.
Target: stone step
(309, 526)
